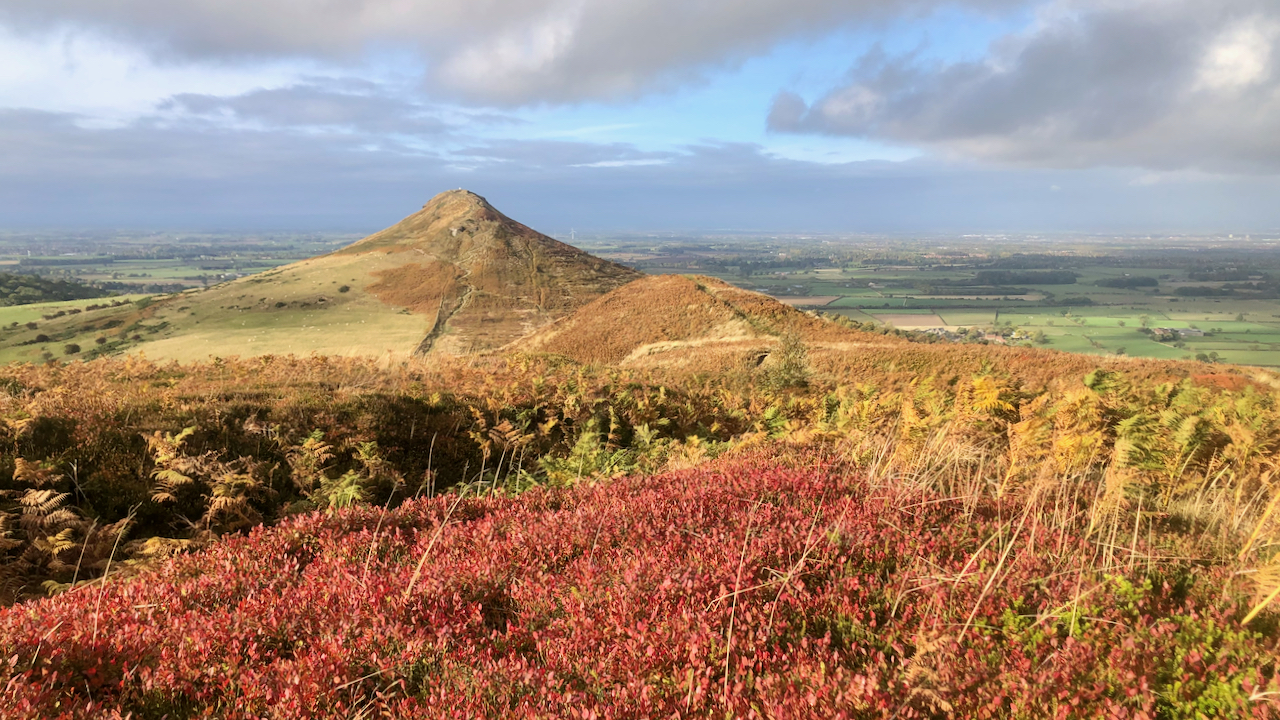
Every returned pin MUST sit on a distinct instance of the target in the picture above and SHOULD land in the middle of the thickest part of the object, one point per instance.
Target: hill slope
(669, 318)
(454, 278)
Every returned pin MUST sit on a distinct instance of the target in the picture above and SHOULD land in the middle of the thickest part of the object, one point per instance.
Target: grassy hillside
(456, 277)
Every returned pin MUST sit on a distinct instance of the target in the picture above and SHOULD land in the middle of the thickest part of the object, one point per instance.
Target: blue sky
(849, 115)
(731, 103)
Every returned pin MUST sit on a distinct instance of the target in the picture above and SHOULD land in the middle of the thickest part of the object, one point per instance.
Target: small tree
(71, 349)
(788, 366)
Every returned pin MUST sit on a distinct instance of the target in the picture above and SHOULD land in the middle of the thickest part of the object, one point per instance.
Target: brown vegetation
(422, 288)
(1163, 474)
(682, 315)
(510, 279)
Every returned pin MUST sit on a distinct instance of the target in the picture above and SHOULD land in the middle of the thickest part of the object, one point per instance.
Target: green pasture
(1240, 330)
(35, 312)
(167, 272)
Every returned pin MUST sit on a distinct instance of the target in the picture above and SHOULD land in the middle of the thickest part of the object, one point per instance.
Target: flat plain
(1223, 287)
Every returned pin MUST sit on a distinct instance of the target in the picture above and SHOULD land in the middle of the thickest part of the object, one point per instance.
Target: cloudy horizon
(816, 115)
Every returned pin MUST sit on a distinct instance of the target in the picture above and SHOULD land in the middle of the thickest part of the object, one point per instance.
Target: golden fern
(307, 461)
(1028, 441)
(988, 396)
(62, 517)
(30, 473)
(39, 503)
(1266, 582)
(63, 540)
(6, 529)
(168, 484)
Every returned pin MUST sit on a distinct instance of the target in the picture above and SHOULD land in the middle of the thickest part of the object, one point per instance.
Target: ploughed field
(786, 584)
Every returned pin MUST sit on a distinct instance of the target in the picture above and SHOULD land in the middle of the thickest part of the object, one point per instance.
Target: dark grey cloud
(1160, 84)
(492, 51)
(56, 173)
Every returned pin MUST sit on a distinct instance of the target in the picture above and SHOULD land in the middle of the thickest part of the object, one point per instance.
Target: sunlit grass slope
(455, 278)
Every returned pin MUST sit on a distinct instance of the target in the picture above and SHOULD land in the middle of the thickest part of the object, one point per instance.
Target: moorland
(1092, 295)
(601, 494)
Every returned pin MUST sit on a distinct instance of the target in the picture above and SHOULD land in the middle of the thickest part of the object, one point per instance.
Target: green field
(35, 312)
(1239, 330)
(920, 285)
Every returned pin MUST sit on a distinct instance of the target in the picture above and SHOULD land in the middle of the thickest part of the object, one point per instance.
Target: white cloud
(1159, 84)
(1240, 56)
(76, 72)
(489, 51)
(621, 163)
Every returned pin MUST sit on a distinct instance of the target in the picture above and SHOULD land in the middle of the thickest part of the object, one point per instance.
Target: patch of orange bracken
(420, 287)
(680, 314)
(1222, 381)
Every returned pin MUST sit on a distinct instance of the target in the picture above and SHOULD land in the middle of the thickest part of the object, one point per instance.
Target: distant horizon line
(1251, 235)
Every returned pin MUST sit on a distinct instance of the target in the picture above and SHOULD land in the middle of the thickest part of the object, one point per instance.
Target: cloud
(54, 172)
(506, 52)
(354, 105)
(538, 155)
(1158, 84)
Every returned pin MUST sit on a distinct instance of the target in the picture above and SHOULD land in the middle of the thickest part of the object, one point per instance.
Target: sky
(900, 116)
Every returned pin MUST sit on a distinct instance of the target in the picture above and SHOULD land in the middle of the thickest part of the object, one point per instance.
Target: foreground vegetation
(901, 528)
(754, 588)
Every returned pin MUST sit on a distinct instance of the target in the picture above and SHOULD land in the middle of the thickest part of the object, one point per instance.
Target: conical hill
(457, 277)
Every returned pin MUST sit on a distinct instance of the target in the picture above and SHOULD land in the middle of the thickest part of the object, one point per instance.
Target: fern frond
(988, 396)
(30, 473)
(172, 478)
(1266, 589)
(62, 541)
(42, 502)
(53, 587)
(61, 517)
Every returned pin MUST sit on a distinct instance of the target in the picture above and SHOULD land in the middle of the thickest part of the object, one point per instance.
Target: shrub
(756, 588)
(71, 349)
(788, 366)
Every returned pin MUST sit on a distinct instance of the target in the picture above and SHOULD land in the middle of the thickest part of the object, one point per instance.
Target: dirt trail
(442, 318)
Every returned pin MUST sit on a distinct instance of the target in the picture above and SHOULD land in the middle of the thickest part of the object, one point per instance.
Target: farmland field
(1097, 298)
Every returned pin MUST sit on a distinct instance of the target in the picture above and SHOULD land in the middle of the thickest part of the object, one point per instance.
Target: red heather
(746, 589)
